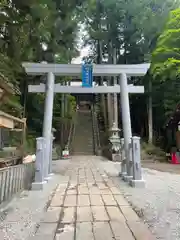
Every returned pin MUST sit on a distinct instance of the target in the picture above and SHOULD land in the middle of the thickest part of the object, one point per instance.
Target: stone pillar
(123, 160)
(48, 115)
(39, 164)
(137, 180)
(126, 123)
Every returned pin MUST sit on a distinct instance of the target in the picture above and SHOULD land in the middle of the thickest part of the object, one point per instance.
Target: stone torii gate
(74, 70)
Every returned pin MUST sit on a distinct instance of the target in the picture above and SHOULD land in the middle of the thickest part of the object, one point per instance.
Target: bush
(153, 151)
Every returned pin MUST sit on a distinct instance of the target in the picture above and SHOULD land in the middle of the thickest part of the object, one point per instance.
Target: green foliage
(34, 32)
(166, 57)
(165, 69)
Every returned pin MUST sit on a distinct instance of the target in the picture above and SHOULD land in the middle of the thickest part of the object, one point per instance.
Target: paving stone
(115, 190)
(72, 186)
(70, 201)
(61, 188)
(68, 215)
(52, 215)
(71, 192)
(83, 200)
(65, 232)
(84, 214)
(94, 190)
(42, 237)
(109, 183)
(121, 231)
(99, 213)
(83, 190)
(140, 231)
(82, 180)
(102, 186)
(91, 183)
(115, 214)
(84, 231)
(96, 200)
(82, 185)
(121, 200)
(57, 201)
(98, 178)
(109, 200)
(47, 229)
(129, 214)
(102, 231)
(105, 192)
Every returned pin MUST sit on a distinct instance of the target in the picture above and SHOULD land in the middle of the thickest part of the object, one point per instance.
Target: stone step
(83, 138)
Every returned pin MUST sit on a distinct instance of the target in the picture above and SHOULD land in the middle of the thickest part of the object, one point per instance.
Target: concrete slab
(96, 200)
(99, 213)
(68, 215)
(115, 214)
(121, 200)
(109, 200)
(84, 214)
(70, 201)
(83, 200)
(84, 231)
(65, 232)
(129, 214)
(121, 231)
(140, 231)
(102, 231)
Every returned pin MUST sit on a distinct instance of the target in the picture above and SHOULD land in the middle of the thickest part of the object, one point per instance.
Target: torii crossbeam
(58, 88)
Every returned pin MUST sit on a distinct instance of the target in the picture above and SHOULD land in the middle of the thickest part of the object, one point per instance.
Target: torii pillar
(126, 122)
(48, 116)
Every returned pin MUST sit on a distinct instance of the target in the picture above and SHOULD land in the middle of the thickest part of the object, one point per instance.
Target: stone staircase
(83, 136)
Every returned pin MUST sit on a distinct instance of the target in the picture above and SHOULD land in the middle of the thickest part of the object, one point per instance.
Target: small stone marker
(137, 180)
(123, 159)
(39, 164)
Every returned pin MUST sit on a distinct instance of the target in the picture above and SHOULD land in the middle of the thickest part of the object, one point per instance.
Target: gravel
(158, 204)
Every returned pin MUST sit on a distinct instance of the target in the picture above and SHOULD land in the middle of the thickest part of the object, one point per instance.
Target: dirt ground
(163, 167)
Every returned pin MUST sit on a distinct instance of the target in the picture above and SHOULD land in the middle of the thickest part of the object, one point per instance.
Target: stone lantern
(115, 140)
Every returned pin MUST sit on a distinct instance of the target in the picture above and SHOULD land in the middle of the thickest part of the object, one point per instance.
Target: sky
(83, 53)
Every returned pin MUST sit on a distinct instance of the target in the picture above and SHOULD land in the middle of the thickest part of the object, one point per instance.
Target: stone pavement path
(89, 207)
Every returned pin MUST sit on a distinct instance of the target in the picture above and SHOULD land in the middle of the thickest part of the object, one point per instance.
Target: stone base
(47, 178)
(116, 157)
(38, 185)
(99, 153)
(137, 183)
(51, 174)
(127, 178)
(123, 174)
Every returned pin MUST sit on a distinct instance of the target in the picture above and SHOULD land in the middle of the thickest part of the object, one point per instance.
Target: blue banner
(87, 75)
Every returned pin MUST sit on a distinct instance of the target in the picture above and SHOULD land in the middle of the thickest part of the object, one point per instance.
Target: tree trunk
(103, 102)
(109, 95)
(115, 119)
(150, 114)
